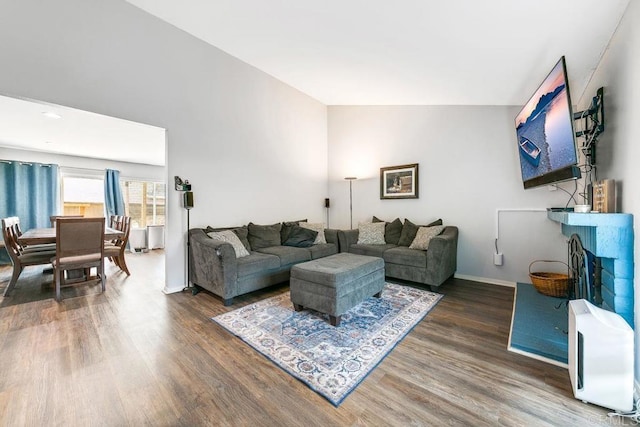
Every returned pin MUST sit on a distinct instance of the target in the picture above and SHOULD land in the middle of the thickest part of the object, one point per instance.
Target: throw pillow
(392, 230)
(286, 228)
(319, 227)
(408, 233)
(424, 236)
(243, 235)
(241, 232)
(436, 222)
(300, 237)
(230, 237)
(264, 236)
(410, 229)
(371, 233)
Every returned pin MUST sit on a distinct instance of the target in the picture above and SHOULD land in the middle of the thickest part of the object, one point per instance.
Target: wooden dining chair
(17, 232)
(114, 250)
(79, 246)
(19, 257)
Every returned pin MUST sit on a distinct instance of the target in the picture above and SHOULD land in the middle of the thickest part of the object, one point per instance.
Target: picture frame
(399, 182)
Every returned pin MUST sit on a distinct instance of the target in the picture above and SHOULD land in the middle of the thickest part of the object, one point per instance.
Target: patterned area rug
(330, 360)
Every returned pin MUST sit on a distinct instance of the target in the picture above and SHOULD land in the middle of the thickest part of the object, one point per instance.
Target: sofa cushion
(263, 236)
(371, 233)
(322, 250)
(319, 227)
(287, 254)
(424, 236)
(257, 262)
(371, 250)
(409, 231)
(232, 238)
(286, 228)
(402, 255)
(300, 237)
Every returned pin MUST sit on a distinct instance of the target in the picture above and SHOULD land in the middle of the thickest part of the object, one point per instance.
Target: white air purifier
(155, 236)
(600, 356)
(138, 239)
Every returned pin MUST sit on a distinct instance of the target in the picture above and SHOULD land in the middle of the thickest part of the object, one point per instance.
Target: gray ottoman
(337, 283)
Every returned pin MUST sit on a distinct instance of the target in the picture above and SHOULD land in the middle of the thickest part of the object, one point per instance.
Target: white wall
(127, 170)
(469, 168)
(253, 148)
(618, 149)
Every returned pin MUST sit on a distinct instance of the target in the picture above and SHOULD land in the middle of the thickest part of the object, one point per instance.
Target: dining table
(41, 236)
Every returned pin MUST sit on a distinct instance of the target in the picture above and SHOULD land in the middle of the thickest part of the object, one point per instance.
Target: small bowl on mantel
(582, 208)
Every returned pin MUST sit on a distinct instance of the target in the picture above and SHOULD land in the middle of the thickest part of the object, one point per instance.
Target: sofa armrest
(442, 255)
(213, 264)
(346, 238)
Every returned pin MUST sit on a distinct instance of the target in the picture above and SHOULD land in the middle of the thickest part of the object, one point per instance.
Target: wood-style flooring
(134, 356)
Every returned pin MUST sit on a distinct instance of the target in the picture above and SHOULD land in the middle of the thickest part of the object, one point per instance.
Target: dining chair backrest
(115, 221)
(79, 236)
(9, 236)
(53, 218)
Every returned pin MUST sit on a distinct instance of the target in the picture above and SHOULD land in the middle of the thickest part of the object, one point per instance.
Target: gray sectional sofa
(430, 267)
(214, 266)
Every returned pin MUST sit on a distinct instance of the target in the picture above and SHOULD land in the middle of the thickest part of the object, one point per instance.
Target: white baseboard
(485, 280)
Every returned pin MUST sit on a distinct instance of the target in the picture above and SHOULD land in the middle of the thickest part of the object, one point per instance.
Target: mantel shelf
(620, 220)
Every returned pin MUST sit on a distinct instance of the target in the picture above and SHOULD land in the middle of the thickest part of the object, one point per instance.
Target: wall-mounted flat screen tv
(545, 135)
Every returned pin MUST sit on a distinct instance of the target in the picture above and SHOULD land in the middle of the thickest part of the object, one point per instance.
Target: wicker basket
(551, 284)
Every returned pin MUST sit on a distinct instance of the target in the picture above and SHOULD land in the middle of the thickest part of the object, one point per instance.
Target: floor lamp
(351, 179)
(187, 198)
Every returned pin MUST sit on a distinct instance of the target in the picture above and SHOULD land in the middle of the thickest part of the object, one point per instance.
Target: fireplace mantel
(609, 237)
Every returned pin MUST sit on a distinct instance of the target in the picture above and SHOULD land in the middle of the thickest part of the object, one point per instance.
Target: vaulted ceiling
(356, 52)
(406, 52)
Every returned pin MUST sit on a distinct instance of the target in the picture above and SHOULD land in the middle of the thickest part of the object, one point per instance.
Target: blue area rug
(539, 325)
(330, 360)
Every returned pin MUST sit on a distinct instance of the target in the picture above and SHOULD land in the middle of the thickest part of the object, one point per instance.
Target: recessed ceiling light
(51, 115)
(48, 142)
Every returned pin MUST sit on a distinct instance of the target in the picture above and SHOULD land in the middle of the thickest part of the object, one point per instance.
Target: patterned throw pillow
(424, 236)
(371, 233)
(232, 238)
(319, 227)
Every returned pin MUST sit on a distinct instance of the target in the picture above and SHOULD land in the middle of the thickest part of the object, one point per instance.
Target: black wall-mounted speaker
(326, 203)
(188, 199)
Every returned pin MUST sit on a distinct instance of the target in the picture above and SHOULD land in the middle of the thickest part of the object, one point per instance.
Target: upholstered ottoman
(336, 283)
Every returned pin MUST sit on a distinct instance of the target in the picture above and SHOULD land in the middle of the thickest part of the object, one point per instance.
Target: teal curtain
(29, 191)
(113, 199)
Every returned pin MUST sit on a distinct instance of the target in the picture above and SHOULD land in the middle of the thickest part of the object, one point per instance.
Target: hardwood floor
(135, 356)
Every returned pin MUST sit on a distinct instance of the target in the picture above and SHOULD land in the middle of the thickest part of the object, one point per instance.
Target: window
(83, 196)
(144, 202)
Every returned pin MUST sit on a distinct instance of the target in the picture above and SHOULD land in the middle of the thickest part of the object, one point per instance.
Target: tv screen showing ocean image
(544, 128)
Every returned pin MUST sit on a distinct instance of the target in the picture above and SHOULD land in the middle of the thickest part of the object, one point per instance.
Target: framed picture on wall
(399, 182)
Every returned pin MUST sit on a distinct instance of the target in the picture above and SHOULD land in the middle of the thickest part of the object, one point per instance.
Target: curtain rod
(25, 163)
